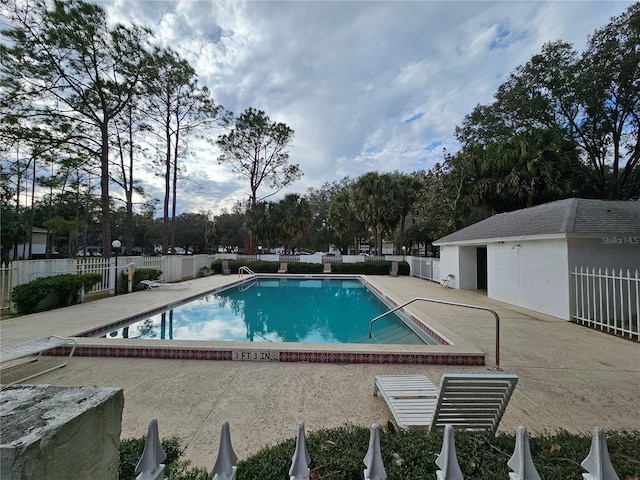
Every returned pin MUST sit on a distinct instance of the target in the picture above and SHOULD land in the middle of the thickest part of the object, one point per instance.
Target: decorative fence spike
(373, 459)
(447, 460)
(300, 463)
(150, 467)
(521, 462)
(224, 468)
(597, 463)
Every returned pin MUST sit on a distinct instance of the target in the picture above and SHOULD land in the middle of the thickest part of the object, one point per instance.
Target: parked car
(88, 253)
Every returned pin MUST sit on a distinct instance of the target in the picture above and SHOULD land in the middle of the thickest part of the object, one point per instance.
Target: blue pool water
(280, 310)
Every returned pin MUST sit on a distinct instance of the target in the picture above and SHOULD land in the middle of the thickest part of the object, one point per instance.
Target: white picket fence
(174, 268)
(597, 464)
(607, 299)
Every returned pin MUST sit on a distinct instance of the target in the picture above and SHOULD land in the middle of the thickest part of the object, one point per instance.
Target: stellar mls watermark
(621, 240)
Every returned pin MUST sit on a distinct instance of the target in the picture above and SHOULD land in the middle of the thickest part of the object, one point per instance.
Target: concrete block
(52, 432)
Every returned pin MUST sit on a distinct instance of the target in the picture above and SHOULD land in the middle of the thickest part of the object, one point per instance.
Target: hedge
(358, 268)
(65, 287)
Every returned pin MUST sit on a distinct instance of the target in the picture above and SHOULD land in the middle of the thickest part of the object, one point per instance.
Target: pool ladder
(244, 269)
(455, 304)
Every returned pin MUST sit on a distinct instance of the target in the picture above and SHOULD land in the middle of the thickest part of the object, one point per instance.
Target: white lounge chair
(327, 268)
(35, 347)
(151, 285)
(465, 401)
(283, 268)
(225, 267)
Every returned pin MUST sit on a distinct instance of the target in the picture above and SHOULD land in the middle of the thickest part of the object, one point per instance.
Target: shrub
(337, 453)
(65, 287)
(204, 271)
(175, 469)
(138, 275)
(358, 268)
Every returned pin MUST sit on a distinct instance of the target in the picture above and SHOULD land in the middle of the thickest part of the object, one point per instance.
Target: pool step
(390, 335)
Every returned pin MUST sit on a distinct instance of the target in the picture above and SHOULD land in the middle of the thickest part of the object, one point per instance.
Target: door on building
(481, 268)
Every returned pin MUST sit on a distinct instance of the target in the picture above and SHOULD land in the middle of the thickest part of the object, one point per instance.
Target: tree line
(90, 103)
(86, 106)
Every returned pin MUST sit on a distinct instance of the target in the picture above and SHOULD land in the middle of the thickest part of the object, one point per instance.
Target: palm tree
(373, 202)
(292, 215)
(406, 189)
(343, 218)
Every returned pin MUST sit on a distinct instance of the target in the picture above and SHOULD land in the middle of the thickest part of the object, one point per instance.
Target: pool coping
(452, 351)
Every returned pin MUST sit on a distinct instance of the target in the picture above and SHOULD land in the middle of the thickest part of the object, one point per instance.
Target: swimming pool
(92, 341)
(289, 310)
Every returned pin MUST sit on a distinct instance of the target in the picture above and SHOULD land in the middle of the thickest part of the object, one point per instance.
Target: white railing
(607, 299)
(6, 284)
(597, 464)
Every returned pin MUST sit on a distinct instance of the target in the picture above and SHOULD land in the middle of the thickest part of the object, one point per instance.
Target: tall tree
(126, 126)
(75, 73)
(256, 150)
(610, 101)
(320, 235)
(180, 109)
(593, 98)
(228, 230)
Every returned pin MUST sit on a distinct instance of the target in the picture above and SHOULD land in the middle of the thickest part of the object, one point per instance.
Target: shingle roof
(571, 216)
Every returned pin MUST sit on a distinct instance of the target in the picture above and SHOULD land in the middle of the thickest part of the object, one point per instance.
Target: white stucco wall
(530, 274)
(536, 273)
(449, 264)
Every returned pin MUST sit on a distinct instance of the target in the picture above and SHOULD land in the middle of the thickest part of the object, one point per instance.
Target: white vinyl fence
(173, 267)
(597, 463)
(607, 299)
(427, 268)
(6, 284)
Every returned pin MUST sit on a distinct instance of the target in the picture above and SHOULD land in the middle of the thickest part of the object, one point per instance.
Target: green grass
(337, 454)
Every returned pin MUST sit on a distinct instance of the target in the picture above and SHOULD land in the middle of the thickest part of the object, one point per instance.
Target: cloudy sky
(366, 85)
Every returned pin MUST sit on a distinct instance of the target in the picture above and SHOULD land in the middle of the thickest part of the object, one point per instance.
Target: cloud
(367, 85)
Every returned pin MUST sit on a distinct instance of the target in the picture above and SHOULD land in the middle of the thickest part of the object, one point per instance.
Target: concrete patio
(570, 377)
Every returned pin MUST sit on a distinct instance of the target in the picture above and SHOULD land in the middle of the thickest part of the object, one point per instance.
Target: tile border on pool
(445, 353)
(288, 356)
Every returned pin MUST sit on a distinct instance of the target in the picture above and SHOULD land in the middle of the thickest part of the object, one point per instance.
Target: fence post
(373, 459)
(224, 468)
(300, 463)
(447, 460)
(521, 462)
(149, 466)
(597, 464)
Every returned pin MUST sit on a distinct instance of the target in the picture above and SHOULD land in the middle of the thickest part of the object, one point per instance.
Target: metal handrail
(455, 304)
(245, 269)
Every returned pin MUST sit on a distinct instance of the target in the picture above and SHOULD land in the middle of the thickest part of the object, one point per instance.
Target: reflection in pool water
(279, 310)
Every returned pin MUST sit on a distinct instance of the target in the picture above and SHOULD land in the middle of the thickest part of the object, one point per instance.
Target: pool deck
(570, 377)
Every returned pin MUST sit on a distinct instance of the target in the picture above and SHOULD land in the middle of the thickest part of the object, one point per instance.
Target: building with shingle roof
(528, 257)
